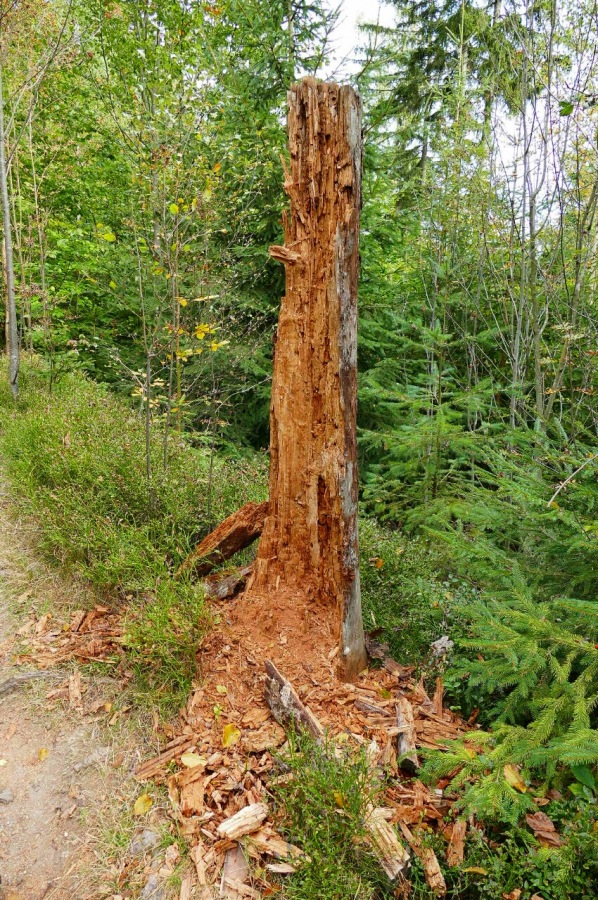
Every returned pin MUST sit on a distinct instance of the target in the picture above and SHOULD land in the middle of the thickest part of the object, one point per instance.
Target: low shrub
(76, 462)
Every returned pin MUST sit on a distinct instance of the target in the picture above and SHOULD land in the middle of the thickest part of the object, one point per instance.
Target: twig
(17, 680)
(570, 478)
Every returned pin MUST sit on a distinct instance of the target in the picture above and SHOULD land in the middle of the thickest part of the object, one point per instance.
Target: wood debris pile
(94, 634)
(218, 767)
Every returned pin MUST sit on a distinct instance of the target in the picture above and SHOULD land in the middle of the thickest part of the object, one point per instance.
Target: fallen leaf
(42, 753)
(539, 822)
(513, 778)
(191, 760)
(512, 895)
(230, 735)
(477, 869)
(142, 805)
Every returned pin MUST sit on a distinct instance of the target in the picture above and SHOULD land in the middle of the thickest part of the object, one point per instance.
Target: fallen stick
(386, 845)
(176, 748)
(406, 736)
(432, 871)
(286, 706)
(11, 684)
(238, 531)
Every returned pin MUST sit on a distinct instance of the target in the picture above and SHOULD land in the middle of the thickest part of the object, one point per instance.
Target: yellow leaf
(142, 805)
(221, 688)
(192, 760)
(42, 753)
(217, 167)
(339, 799)
(513, 778)
(477, 869)
(230, 735)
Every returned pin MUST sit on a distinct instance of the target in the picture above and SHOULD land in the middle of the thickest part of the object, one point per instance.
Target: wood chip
(245, 821)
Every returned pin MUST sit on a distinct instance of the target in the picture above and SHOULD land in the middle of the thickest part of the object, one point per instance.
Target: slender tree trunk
(11, 306)
(309, 545)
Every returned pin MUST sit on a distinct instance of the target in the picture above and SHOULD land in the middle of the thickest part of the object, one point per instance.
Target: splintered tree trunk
(309, 543)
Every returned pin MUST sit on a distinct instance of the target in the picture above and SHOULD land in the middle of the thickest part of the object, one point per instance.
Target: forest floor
(68, 747)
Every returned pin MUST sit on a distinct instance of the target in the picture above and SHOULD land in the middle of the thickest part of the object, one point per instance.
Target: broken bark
(407, 735)
(286, 706)
(228, 587)
(309, 545)
(432, 871)
(456, 845)
(244, 822)
(385, 843)
(234, 534)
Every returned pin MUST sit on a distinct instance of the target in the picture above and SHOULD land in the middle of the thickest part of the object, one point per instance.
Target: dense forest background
(144, 168)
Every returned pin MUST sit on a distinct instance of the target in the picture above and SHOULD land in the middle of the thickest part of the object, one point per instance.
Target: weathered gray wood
(285, 704)
(394, 858)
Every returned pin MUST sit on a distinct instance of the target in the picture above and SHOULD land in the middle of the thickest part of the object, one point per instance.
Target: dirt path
(65, 768)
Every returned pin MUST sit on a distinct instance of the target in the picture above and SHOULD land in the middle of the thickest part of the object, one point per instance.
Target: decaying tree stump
(238, 531)
(309, 544)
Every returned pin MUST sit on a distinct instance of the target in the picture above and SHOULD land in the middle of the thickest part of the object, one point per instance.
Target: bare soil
(65, 772)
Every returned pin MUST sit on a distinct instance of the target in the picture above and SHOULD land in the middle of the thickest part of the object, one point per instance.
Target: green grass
(76, 463)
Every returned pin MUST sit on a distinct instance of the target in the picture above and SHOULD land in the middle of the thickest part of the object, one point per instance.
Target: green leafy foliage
(323, 808)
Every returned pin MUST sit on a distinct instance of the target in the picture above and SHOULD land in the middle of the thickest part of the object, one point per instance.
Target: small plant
(323, 805)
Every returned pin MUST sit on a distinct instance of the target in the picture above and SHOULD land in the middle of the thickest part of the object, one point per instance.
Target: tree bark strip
(232, 535)
(309, 545)
(285, 704)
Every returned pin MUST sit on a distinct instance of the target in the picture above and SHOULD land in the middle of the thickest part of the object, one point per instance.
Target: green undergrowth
(322, 805)
(76, 463)
(410, 597)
